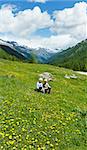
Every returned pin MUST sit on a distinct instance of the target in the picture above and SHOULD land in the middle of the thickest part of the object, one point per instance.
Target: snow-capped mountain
(40, 54)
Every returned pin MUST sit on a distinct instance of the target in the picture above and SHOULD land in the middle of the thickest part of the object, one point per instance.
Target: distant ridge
(40, 55)
(74, 58)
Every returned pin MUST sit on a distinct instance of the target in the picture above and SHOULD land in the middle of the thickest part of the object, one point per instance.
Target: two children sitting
(43, 86)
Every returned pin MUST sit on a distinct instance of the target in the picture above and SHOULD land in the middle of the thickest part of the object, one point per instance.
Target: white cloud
(24, 23)
(70, 26)
(53, 42)
(71, 21)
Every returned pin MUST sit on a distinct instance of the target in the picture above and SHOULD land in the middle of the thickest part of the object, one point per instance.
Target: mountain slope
(36, 121)
(13, 50)
(43, 55)
(5, 55)
(74, 58)
(40, 55)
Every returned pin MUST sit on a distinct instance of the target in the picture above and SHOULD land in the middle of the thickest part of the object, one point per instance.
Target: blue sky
(53, 22)
(48, 6)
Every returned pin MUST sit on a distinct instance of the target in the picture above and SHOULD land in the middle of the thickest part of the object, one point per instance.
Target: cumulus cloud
(72, 21)
(24, 23)
(69, 26)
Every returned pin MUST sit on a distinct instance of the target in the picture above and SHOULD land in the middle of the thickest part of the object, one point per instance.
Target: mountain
(5, 55)
(43, 55)
(74, 58)
(39, 55)
(14, 50)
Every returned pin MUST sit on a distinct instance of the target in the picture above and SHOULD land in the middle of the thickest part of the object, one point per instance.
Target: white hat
(40, 79)
(45, 80)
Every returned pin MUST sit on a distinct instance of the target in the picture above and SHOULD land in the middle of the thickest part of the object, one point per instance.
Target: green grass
(36, 121)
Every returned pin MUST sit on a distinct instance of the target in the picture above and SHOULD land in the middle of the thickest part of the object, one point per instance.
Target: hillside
(5, 55)
(10, 51)
(74, 58)
(42, 55)
(24, 53)
(36, 121)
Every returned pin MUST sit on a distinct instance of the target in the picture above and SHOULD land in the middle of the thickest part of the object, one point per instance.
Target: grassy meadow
(34, 121)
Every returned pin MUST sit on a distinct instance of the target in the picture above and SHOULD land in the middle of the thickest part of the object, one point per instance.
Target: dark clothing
(39, 90)
(47, 88)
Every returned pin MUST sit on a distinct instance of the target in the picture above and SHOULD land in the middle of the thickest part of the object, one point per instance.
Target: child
(46, 87)
(40, 85)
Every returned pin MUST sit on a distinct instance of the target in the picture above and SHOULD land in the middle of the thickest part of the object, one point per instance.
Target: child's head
(45, 80)
(40, 79)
